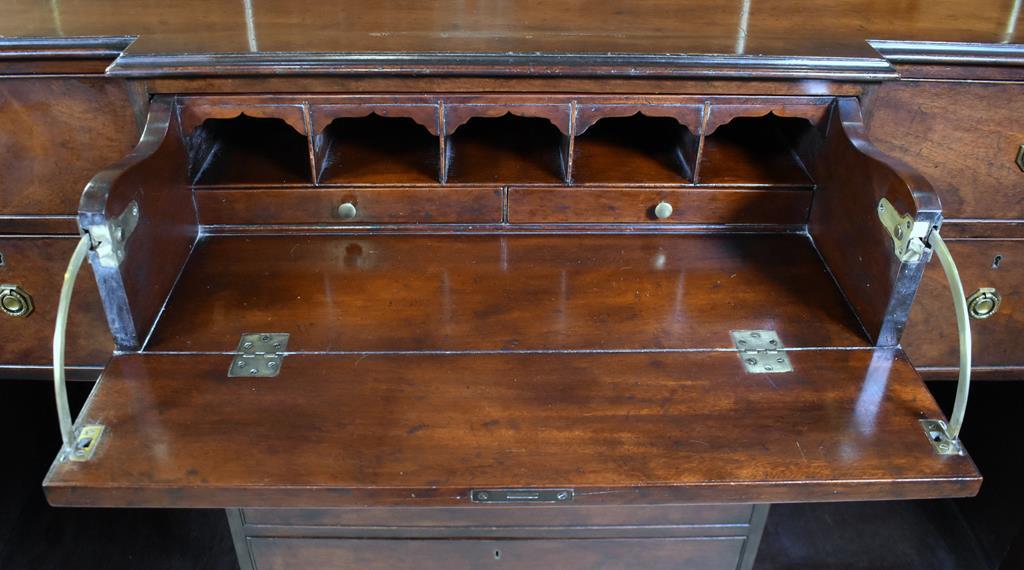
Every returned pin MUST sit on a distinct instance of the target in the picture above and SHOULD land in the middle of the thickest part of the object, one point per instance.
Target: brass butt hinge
(109, 239)
(761, 352)
(908, 236)
(259, 355)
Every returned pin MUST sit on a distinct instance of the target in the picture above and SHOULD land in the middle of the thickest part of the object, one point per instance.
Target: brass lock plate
(15, 301)
(521, 495)
(983, 303)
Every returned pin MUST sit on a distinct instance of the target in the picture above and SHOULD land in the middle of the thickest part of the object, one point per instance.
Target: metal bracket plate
(259, 355)
(521, 495)
(908, 236)
(937, 433)
(86, 442)
(761, 351)
(109, 239)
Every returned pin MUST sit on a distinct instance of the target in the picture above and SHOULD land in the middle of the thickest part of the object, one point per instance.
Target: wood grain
(37, 264)
(931, 339)
(376, 205)
(504, 292)
(342, 430)
(611, 554)
(154, 176)
(636, 205)
(844, 221)
(56, 134)
(963, 137)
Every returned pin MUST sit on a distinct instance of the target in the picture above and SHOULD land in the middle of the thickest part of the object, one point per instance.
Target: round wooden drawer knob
(663, 210)
(347, 211)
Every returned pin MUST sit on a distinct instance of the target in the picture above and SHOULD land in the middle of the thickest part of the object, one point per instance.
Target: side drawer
(963, 137)
(640, 205)
(36, 266)
(607, 554)
(416, 205)
(931, 336)
(507, 516)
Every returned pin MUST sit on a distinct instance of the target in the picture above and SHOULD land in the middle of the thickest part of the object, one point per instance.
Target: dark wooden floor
(916, 534)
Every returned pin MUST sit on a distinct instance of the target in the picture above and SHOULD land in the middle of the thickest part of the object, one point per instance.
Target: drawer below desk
(512, 536)
(607, 554)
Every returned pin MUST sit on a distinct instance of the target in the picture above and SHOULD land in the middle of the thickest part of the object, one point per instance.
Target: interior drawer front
(963, 137)
(36, 266)
(641, 205)
(419, 205)
(931, 335)
(607, 554)
(534, 515)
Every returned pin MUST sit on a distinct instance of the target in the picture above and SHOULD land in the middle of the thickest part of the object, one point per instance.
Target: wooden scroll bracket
(853, 177)
(142, 223)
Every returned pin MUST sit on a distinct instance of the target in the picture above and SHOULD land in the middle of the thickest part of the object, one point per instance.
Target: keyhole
(996, 261)
(497, 555)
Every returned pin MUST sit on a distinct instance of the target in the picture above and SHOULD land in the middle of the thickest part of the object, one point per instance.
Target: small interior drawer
(651, 554)
(640, 205)
(350, 205)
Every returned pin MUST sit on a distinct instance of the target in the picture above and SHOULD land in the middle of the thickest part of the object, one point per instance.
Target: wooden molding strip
(503, 65)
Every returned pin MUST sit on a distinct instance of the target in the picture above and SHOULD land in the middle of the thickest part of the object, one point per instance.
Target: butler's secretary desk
(509, 284)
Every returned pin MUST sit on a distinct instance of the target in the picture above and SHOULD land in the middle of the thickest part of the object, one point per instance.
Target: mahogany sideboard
(467, 285)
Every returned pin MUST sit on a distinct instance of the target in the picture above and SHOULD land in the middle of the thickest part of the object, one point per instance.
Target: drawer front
(931, 335)
(36, 265)
(55, 134)
(508, 516)
(689, 205)
(963, 137)
(426, 205)
(607, 554)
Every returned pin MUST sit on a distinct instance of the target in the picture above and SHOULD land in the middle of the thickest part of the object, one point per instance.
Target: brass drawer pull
(15, 302)
(663, 210)
(347, 211)
(983, 303)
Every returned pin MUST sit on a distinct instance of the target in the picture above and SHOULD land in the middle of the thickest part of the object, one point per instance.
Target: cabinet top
(781, 29)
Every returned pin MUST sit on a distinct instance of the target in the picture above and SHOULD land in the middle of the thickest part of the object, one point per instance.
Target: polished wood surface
(57, 133)
(538, 518)
(845, 226)
(339, 430)
(636, 205)
(611, 554)
(134, 289)
(37, 264)
(504, 292)
(931, 338)
(373, 205)
(964, 137)
(656, 27)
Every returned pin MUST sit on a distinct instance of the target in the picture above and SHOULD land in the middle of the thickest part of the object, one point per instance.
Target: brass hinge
(761, 352)
(109, 239)
(908, 236)
(259, 355)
